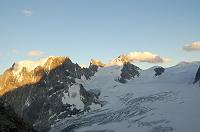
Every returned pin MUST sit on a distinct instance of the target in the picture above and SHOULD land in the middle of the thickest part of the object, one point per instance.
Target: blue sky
(103, 29)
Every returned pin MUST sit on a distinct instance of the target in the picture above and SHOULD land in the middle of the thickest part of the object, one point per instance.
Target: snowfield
(73, 97)
(169, 102)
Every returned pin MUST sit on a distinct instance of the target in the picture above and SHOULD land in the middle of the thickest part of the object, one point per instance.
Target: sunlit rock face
(53, 62)
(197, 76)
(97, 63)
(47, 91)
(10, 121)
(28, 72)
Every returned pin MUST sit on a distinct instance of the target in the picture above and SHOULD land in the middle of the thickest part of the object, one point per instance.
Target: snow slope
(30, 65)
(73, 97)
(165, 103)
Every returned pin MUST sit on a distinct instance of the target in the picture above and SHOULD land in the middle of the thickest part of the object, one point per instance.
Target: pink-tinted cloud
(35, 53)
(145, 57)
(195, 46)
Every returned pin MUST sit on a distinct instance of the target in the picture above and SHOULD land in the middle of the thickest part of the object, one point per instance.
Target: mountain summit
(28, 72)
(120, 60)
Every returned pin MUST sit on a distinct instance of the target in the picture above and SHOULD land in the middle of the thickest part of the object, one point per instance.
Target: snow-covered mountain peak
(30, 72)
(29, 65)
(55, 61)
(47, 63)
(122, 59)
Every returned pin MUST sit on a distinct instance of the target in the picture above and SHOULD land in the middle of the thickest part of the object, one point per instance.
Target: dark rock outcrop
(197, 76)
(159, 71)
(128, 72)
(10, 121)
(40, 99)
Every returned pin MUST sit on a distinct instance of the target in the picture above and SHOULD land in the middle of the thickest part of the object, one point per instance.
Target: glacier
(148, 103)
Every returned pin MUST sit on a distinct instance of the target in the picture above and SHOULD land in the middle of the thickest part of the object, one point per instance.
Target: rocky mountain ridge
(56, 89)
(38, 94)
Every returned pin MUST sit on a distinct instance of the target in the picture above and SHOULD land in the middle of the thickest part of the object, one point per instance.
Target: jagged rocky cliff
(49, 91)
(128, 71)
(159, 71)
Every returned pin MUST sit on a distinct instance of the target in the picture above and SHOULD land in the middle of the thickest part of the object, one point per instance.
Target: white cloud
(138, 57)
(35, 53)
(145, 57)
(195, 46)
(27, 12)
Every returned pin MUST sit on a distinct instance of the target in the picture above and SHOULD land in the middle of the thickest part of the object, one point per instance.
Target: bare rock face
(128, 72)
(44, 94)
(97, 63)
(197, 76)
(159, 71)
(10, 121)
(10, 80)
(54, 62)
